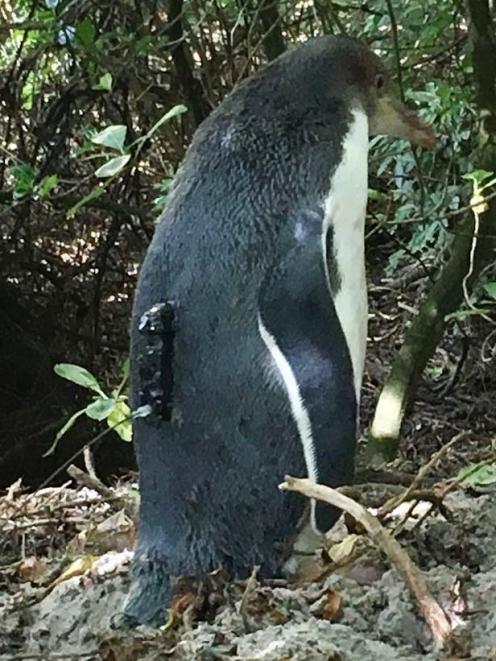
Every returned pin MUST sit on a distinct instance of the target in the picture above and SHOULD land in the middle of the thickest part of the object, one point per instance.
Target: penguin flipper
(300, 326)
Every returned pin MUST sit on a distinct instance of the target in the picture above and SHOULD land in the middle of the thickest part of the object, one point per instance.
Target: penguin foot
(149, 595)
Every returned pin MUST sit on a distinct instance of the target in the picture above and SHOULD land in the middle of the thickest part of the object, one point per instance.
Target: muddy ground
(360, 611)
(65, 551)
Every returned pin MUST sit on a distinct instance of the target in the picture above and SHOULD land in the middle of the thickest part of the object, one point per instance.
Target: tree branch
(181, 57)
(273, 40)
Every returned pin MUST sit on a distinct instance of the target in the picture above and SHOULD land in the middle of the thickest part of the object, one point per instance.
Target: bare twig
(370, 475)
(120, 502)
(53, 655)
(89, 481)
(25, 525)
(429, 608)
(89, 463)
(394, 502)
(251, 584)
(33, 25)
(399, 72)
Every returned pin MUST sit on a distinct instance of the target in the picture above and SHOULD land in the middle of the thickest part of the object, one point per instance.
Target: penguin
(249, 322)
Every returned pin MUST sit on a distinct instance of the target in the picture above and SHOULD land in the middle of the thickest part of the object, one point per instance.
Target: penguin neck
(345, 208)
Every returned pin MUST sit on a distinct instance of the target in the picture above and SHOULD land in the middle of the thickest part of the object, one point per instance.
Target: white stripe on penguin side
(298, 410)
(345, 214)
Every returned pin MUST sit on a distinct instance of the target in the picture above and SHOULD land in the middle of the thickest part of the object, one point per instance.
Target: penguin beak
(391, 117)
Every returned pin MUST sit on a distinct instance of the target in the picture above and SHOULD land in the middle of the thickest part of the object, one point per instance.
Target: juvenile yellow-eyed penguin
(250, 317)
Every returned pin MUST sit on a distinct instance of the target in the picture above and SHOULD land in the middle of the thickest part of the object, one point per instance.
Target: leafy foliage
(477, 475)
(113, 408)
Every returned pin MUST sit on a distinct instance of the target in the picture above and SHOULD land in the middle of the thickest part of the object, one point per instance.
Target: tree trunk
(273, 40)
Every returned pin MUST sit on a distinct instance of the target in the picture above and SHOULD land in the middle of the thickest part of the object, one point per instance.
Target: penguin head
(387, 114)
(334, 69)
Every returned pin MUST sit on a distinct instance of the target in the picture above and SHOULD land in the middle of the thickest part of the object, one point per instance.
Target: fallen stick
(107, 493)
(251, 585)
(90, 482)
(394, 502)
(430, 610)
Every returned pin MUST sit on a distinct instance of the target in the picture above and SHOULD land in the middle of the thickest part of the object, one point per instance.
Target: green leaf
(142, 46)
(85, 33)
(125, 369)
(78, 375)
(100, 408)
(47, 184)
(120, 420)
(465, 314)
(112, 137)
(163, 186)
(92, 195)
(112, 167)
(376, 195)
(434, 372)
(478, 176)
(482, 474)
(25, 176)
(173, 112)
(62, 431)
(104, 83)
(490, 288)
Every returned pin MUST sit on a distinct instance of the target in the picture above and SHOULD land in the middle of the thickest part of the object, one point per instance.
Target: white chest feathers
(345, 213)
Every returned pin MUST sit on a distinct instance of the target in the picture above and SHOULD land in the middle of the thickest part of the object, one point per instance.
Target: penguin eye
(380, 82)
